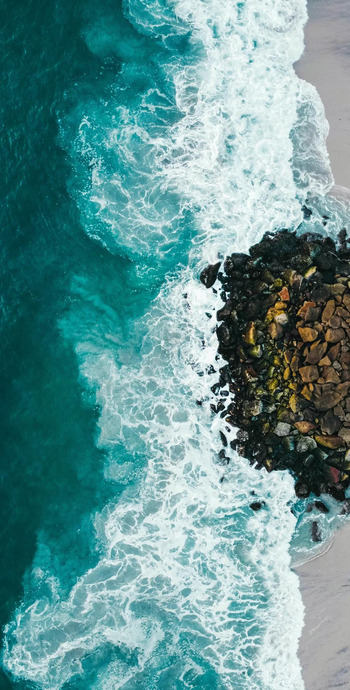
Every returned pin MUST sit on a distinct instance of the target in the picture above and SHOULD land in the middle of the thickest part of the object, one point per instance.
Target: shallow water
(146, 141)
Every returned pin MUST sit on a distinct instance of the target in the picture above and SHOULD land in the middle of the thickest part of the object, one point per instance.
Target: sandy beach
(325, 642)
(325, 582)
(326, 64)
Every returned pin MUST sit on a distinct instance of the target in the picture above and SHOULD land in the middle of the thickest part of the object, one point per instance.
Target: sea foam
(192, 589)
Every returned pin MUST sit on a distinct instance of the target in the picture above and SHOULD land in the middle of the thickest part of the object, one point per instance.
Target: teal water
(136, 142)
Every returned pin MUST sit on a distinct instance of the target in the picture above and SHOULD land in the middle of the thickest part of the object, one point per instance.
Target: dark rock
(346, 507)
(306, 212)
(330, 424)
(302, 490)
(316, 354)
(321, 507)
(223, 439)
(209, 274)
(315, 532)
(337, 491)
(257, 505)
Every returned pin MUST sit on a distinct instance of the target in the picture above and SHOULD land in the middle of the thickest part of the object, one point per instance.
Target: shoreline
(325, 579)
(325, 63)
(325, 641)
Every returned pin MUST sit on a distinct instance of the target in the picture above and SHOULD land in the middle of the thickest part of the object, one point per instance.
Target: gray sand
(326, 64)
(325, 582)
(325, 643)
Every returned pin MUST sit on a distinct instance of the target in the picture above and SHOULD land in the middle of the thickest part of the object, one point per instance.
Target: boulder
(209, 274)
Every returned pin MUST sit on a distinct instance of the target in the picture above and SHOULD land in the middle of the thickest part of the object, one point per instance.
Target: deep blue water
(140, 141)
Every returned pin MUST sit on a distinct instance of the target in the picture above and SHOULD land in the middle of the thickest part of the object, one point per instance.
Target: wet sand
(326, 64)
(325, 582)
(325, 643)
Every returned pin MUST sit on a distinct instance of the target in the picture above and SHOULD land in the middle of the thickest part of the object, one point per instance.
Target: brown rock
(330, 424)
(330, 375)
(275, 330)
(309, 373)
(306, 393)
(324, 362)
(304, 427)
(334, 335)
(294, 365)
(293, 402)
(329, 441)
(316, 353)
(333, 352)
(343, 313)
(346, 301)
(343, 389)
(345, 357)
(344, 433)
(309, 334)
(250, 334)
(286, 374)
(335, 322)
(328, 310)
(288, 354)
(326, 398)
(284, 294)
(312, 314)
(336, 289)
(338, 410)
(303, 309)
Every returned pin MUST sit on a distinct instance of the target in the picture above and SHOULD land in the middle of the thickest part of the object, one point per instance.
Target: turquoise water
(140, 141)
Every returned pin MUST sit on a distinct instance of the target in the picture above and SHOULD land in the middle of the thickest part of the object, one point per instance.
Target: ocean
(141, 141)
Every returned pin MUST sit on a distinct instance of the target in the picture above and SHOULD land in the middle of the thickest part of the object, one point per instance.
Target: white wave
(189, 582)
(183, 556)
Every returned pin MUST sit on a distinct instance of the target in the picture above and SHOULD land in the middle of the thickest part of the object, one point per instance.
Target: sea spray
(192, 589)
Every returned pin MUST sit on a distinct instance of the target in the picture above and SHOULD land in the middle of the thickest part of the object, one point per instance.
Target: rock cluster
(284, 330)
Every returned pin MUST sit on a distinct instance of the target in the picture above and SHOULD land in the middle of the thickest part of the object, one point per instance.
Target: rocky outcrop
(284, 331)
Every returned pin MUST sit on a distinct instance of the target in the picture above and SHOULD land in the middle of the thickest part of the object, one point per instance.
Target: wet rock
(321, 507)
(209, 274)
(346, 507)
(302, 490)
(286, 340)
(315, 532)
(257, 505)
